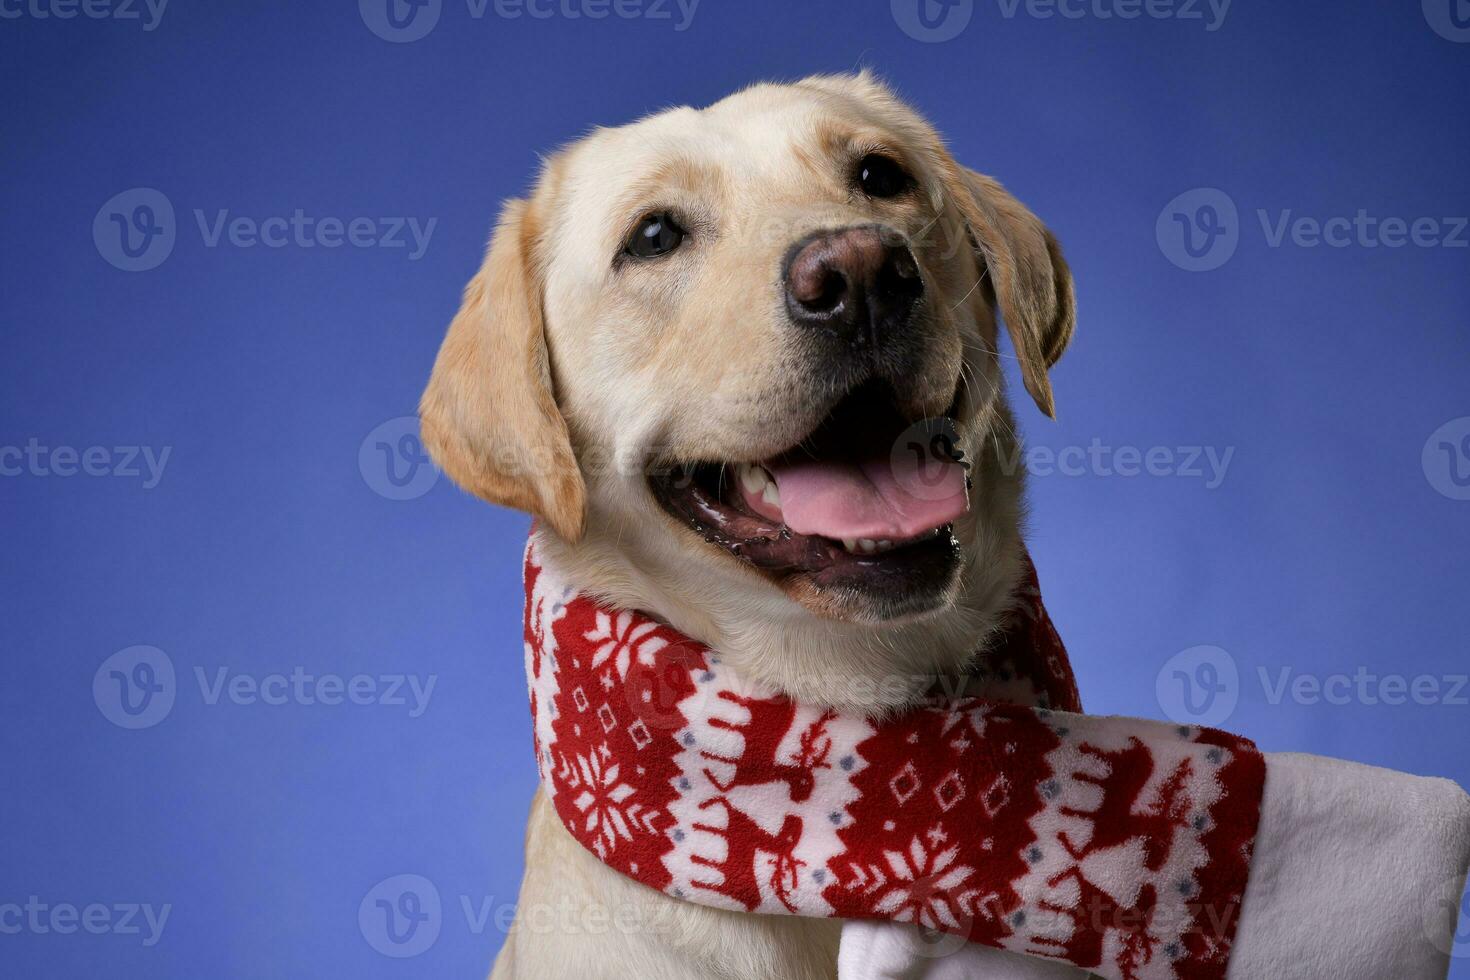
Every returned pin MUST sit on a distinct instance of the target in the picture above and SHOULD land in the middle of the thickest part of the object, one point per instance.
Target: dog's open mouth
(862, 509)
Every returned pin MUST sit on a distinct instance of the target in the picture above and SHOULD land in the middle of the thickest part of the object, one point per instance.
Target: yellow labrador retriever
(693, 354)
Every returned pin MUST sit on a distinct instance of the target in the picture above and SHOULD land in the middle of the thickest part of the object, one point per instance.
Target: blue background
(264, 547)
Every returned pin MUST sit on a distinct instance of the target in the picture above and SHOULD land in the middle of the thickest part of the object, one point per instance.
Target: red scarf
(1116, 845)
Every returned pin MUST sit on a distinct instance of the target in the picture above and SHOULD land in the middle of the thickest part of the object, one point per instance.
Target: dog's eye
(882, 176)
(655, 235)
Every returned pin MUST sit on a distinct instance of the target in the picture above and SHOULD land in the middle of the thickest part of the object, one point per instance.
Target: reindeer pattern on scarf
(1119, 846)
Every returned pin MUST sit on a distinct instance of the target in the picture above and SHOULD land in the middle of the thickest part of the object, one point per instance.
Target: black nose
(854, 281)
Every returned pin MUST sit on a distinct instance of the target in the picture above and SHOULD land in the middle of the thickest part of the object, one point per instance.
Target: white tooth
(884, 545)
(752, 478)
(850, 544)
(772, 494)
(868, 545)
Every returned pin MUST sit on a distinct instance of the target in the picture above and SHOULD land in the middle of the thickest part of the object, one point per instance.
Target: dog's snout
(857, 281)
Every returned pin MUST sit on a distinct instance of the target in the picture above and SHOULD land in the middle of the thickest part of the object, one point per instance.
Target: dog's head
(765, 330)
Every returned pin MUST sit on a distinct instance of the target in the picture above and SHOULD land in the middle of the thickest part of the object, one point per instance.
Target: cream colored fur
(567, 373)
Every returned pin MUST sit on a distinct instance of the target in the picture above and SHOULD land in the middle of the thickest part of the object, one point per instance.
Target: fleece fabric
(1002, 818)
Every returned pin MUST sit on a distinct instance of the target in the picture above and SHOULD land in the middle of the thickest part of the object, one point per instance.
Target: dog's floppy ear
(1030, 278)
(488, 416)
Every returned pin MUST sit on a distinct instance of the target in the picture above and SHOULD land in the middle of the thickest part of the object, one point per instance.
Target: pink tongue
(878, 499)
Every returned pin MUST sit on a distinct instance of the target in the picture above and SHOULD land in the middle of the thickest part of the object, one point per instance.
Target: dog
(690, 352)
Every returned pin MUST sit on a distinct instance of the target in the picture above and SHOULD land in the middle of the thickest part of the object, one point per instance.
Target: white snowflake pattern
(603, 802)
(925, 884)
(619, 640)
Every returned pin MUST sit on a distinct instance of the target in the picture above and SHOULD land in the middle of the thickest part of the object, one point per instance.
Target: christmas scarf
(1119, 846)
